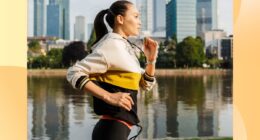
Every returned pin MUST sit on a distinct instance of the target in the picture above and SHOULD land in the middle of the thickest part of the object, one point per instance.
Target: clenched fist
(150, 49)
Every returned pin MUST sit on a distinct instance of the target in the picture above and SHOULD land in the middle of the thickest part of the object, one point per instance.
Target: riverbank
(159, 72)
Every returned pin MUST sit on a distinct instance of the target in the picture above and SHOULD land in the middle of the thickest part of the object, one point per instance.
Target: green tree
(171, 50)
(171, 43)
(166, 56)
(190, 53)
(161, 60)
(91, 40)
(214, 62)
(174, 37)
(55, 58)
(39, 62)
(73, 52)
(34, 46)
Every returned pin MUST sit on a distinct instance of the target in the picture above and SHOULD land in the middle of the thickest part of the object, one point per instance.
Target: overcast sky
(89, 9)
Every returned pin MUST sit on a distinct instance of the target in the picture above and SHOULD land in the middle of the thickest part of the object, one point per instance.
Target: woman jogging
(112, 72)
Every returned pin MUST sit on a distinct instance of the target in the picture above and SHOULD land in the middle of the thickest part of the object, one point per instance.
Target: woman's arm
(78, 77)
(119, 99)
(150, 69)
(150, 49)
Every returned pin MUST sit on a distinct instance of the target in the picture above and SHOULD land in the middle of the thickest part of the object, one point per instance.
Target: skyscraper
(159, 19)
(79, 28)
(152, 16)
(65, 14)
(58, 22)
(145, 8)
(53, 19)
(206, 16)
(181, 19)
(39, 26)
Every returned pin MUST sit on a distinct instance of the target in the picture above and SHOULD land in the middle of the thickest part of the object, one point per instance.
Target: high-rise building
(58, 22)
(145, 8)
(207, 18)
(212, 42)
(39, 26)
(65, 12)
(159, 23)
(79, 28)
(53, 19)
(226, 51)
(181, 19)
(211, 37)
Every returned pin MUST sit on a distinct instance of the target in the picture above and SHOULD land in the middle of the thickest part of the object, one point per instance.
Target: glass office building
(159, 26)
(53, 19)
(58, 21)
(206, 16)
(181, 19)
(39, 11)
(65, 10)
(146, 10)
(79, 28)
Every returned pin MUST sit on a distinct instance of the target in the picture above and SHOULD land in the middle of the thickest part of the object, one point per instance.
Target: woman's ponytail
(99, 25)
(117, 8)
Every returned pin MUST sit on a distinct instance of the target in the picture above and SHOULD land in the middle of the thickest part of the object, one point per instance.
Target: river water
(178, 106)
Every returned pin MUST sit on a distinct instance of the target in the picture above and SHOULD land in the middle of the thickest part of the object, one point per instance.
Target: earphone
(134, 45)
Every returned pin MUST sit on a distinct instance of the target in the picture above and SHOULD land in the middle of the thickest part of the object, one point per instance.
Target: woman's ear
(120, 19)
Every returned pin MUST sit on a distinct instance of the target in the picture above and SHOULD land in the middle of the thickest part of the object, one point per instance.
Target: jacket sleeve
(78, 74)
(147, 82)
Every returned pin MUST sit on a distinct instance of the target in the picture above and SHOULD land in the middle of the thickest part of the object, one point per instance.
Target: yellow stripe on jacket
(128, 80)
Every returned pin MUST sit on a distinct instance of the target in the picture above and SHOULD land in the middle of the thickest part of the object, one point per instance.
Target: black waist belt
(102, 108)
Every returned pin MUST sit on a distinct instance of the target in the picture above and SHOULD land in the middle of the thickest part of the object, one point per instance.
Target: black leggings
(110, 130)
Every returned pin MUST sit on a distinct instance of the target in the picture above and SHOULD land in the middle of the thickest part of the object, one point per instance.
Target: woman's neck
(120, 32)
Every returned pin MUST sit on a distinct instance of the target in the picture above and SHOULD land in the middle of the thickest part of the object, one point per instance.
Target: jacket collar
(114, 35)
(107, 36)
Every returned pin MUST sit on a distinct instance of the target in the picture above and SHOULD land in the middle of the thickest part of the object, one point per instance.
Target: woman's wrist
(150, 69)
(105, 96)
(148, 77)
(151, 62)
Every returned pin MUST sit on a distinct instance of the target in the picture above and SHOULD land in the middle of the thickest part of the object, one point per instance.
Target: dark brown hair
(117, 8)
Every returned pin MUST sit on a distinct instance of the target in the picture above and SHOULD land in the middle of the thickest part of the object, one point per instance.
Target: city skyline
(51, 18)
(90, 9)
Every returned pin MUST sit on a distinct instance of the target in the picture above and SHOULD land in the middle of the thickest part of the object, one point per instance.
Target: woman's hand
(150, 49)
(119, 99)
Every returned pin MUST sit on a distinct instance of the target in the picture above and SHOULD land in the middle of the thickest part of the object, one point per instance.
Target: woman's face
(132, 24)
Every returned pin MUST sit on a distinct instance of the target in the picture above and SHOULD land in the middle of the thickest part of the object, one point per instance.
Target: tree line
(189, 53)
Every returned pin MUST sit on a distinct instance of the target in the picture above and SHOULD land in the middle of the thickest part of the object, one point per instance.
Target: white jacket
(113, 61)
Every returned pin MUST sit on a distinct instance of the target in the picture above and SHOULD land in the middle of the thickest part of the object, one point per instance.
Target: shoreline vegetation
(159, 72)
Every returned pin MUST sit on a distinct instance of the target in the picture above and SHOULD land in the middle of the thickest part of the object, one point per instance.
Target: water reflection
(177, 107)
(188, 106)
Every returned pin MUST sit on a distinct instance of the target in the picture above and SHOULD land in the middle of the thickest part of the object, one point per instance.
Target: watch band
(151, 62)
